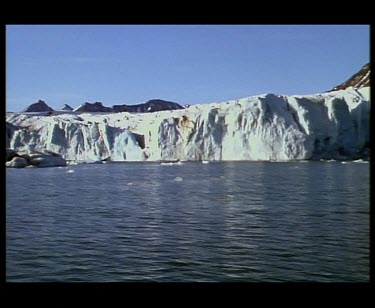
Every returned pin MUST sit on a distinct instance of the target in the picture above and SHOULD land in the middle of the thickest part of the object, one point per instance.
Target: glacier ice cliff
(333, 125)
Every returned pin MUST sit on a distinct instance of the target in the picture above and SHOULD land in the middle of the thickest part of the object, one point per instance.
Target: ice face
(264, 127)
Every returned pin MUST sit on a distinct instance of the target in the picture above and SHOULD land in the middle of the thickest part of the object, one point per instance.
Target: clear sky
(187, 64)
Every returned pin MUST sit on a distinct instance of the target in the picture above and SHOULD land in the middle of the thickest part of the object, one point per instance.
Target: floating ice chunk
(93, 162)
(361, 161)
(70, 171)
(177, 179)
(171, 163)
(205, 162)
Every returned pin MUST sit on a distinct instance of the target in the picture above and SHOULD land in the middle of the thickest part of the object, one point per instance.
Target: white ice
(266, 127)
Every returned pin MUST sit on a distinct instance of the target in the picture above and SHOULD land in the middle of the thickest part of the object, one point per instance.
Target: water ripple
(228, 222)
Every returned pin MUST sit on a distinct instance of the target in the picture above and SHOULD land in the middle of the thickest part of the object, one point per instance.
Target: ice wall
(75, 140)
(265, 127)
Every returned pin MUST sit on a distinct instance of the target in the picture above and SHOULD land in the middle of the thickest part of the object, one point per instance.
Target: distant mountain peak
(66, 107)
(359, 80)
(93, 107)
(39, 106)
(152, 105)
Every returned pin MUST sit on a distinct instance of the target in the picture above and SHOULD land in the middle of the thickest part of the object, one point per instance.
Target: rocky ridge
(66, 107)
(39, 106)
(153, 105)
(359, 80)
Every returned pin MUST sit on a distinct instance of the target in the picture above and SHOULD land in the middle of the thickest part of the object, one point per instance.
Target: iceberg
(269, 127)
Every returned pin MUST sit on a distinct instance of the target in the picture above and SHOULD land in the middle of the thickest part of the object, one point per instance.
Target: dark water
(233, 221)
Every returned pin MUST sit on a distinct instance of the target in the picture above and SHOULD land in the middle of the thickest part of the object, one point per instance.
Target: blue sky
(188, 64)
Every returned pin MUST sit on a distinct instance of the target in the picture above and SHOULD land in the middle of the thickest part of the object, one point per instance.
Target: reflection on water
(233, 221)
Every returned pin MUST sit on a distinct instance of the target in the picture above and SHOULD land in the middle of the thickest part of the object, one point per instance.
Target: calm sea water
(228, 221)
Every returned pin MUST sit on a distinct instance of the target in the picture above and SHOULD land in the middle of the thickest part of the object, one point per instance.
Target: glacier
(269, 127)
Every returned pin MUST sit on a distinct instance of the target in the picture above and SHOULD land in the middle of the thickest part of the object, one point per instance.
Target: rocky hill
(358, 80)
(95, 107)
(150, 106)
(39, 106)
(66, 107)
